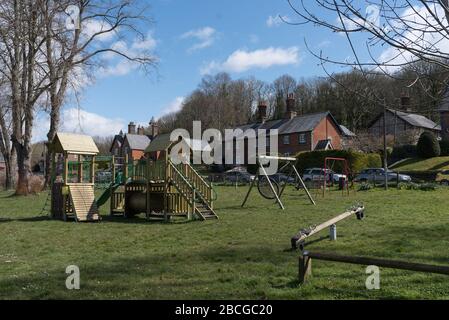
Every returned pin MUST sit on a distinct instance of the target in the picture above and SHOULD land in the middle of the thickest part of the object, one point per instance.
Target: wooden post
(80, 170)
(126, 167)
(113, 169)
(66, 167)
(92, 170)
(305, 268)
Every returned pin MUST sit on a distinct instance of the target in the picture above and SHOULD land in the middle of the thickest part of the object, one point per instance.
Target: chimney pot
(132, 128)
(141, 131)
(262, 111)
(154, 127)
(291, 102)
(406, 103)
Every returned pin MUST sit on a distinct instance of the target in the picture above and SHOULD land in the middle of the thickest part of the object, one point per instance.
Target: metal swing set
(268, 187)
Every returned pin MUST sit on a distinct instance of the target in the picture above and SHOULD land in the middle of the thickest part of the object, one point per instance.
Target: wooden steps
(84, 205)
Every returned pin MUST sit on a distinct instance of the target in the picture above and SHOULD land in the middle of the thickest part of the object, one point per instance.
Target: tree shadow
(440, 166)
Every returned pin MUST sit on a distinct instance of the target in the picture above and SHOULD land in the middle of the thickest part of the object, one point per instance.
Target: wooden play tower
(73, 177)
(162, 189)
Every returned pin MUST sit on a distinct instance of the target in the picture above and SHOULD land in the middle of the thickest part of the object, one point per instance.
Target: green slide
(107, 194)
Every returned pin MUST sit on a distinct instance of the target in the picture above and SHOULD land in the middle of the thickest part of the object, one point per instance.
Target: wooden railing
(180, 182)
(197, 181)
(156, 170)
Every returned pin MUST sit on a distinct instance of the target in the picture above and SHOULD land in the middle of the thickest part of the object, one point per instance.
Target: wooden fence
(305, 264)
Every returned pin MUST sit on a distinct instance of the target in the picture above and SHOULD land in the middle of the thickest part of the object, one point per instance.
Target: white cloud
(277, 20)
(241, 60)
(205, 38)
(174, 106)
(75, 120)
(91, 27)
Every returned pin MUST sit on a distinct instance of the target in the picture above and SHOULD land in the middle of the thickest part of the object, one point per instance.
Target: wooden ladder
(84, 205)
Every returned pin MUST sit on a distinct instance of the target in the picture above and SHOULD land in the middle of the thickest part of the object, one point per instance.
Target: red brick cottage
(317, 131)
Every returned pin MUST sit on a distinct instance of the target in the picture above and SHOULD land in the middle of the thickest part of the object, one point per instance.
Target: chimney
(154, 127)
(262, 111)
(406, 103)
(291, 112)
(141, 131)
(131, 128)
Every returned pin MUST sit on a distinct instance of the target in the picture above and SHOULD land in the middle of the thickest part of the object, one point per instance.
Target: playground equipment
(154, 186)
(305, 264)
(268, 188)
(72, 191)
(159, 188)
(299, 239)
(329, 163)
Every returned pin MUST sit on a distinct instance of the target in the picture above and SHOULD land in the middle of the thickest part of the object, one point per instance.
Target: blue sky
(193, 37)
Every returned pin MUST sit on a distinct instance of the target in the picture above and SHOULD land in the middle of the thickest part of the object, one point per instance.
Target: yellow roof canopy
(74, 143)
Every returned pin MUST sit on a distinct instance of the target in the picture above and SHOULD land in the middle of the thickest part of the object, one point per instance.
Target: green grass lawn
(417, 164)
(244, 255)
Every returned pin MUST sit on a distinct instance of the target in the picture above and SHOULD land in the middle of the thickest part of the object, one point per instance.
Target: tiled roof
(347, 132)
(137, 141)
(416, 120)
(304, 123)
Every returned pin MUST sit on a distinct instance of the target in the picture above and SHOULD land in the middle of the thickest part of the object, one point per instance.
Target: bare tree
(405, 31)
(72, 53)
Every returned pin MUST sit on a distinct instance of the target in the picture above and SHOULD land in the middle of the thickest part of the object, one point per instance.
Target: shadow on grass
(175, 275)
(141, 220)
(440, 166)
(30, 219)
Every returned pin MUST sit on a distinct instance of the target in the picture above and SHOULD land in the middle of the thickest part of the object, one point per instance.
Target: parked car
(280, 177)
(443, 178)
(238, 176)
(317, 174)
(378, 175)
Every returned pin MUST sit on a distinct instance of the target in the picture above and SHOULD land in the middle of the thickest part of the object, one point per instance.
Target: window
(286, 139)
(302, 138)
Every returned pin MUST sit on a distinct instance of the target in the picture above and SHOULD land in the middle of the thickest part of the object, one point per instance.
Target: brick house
(134, 142)
(317, 131)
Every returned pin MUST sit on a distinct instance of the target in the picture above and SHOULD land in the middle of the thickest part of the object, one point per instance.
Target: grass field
(417, 164)
(244, 255)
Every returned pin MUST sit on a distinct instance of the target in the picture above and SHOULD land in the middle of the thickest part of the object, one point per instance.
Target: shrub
(417, 186)
(444, 147)
(428, 146)
(356, 160)
(36, 184)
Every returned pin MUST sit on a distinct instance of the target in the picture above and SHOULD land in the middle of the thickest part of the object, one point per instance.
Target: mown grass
(417, 164)
(244, 255)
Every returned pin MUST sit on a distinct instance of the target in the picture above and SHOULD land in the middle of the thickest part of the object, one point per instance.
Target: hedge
(403, 152)
(428, 146)
(357, 161)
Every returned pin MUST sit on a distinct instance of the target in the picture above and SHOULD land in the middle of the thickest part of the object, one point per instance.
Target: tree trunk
(23, 168)
(9, 184)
